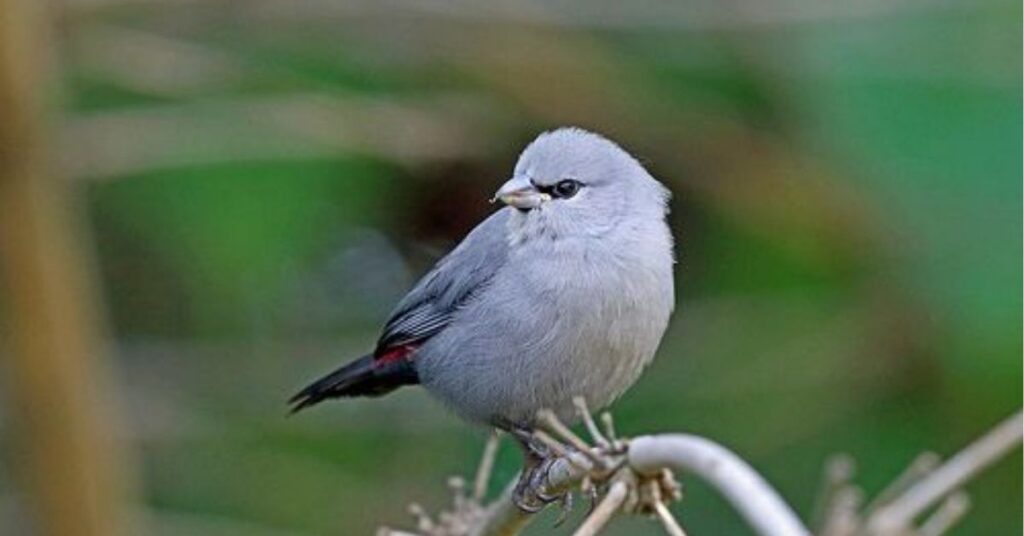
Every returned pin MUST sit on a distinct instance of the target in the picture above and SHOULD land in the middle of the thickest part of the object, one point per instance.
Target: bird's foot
(530, 493)
(534, 449)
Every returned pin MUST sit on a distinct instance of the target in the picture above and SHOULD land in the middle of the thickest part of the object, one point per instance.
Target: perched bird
(564, 292)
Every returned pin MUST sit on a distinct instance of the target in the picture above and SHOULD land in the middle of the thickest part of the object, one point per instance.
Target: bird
(564, 292)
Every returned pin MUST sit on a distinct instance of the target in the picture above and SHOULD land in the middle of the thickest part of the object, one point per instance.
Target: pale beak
(520, 193)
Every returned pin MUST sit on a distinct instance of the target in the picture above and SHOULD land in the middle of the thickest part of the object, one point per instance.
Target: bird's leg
(529, 443)
(537, 459)
(525, 494)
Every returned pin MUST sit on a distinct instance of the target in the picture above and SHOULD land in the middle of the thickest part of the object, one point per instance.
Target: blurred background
(247, 187)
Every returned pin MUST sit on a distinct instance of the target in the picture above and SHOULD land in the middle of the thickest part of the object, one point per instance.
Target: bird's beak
(520, 193)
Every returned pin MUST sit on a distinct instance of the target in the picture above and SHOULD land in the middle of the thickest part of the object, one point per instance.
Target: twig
(838, 472)
(588, 420)
(502, 518)
(582, 461)
(668, 520)
(486, 467)
(609, 427)
(459, 500)
(607, 508)
(977, 456)
(423, 521)
(951, 510)
(843, 519)
(925, 463)
(557, 427)
(640, 476)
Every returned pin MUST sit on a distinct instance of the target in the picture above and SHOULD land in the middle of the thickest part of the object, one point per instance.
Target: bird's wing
(424, 312)
(456, 278)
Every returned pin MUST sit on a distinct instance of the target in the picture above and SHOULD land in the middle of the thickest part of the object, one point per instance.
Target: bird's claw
(527, 501)
(530, 495)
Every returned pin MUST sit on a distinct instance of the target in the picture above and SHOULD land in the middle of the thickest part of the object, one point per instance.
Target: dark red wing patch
(393, 355)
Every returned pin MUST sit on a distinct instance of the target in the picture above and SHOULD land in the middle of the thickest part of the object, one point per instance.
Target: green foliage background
(847, 181)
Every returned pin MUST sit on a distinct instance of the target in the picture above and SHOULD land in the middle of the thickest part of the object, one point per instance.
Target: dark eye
(566, 188)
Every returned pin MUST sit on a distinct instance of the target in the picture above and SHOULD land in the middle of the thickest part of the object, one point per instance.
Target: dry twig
(923, 484)
(637, 476)
(609, 505)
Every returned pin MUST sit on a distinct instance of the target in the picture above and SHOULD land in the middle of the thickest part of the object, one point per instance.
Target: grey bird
(564, 292)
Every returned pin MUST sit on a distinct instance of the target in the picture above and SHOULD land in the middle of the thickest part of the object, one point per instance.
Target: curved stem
(755, 500)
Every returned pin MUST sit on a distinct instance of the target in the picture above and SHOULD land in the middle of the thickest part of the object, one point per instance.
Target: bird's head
(570, 182)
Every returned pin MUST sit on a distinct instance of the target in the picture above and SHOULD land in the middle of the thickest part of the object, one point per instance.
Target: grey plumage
(456, 278)
(565, 293)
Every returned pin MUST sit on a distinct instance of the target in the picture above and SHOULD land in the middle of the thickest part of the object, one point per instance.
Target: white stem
(486, 467)
(951, 510)
(610, 504)
(756, 501)
(950, 476)
(668, 520)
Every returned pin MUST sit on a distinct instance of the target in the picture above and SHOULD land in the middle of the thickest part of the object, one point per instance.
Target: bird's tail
(366, 376)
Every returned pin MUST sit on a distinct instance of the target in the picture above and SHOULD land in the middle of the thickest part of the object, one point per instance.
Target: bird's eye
(566, 188)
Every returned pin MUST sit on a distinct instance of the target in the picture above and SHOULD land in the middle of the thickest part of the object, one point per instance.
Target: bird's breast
(610, 310)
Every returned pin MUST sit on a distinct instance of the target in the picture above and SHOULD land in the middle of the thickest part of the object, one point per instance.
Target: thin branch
(609, 427)
(486, 467)
(838, 472)
(459, 500)
(668, 520)
(502, 518)
(604, 512)
(977, 456)
(925, 463)
(842, 518)
(557, 427)
(588, 420)
(652, 456)
(640, 480)
(657, 502)
(951, 510)
(582, 461)
(423, 521)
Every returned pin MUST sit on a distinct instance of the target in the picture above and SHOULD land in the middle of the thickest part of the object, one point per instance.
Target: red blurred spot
(394, 354)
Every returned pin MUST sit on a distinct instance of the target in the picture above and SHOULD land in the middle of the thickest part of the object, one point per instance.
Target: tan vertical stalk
(68, 455)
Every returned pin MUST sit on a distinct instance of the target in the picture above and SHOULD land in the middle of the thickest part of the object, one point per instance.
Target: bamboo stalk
(67, 454)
